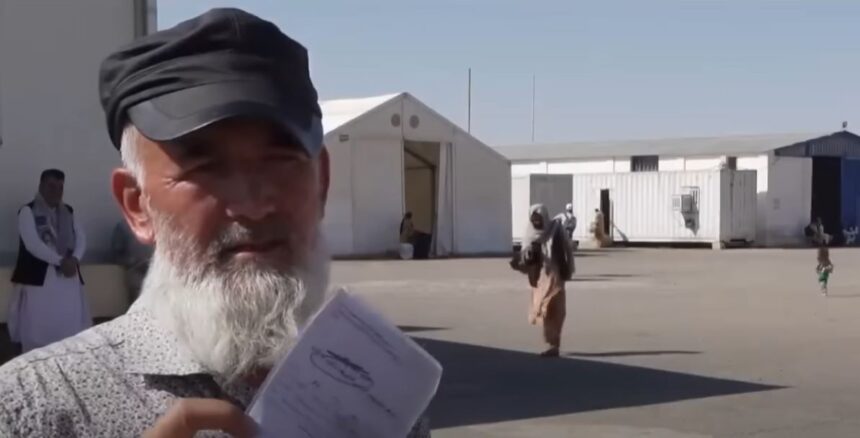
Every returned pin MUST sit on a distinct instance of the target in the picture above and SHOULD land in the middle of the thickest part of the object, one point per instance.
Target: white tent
(392, 154)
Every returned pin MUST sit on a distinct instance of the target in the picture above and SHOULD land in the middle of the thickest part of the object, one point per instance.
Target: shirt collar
(147, 347)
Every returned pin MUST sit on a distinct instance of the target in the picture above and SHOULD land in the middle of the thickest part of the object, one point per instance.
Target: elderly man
(548, 262)
(225, 173)
(48, 302)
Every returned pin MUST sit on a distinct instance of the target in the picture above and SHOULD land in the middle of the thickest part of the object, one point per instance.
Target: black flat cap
(225, 63)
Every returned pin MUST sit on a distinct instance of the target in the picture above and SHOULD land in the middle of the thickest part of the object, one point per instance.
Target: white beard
(234, 320)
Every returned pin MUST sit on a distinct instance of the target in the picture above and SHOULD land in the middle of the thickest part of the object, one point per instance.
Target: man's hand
(69, 266)
(191, 415)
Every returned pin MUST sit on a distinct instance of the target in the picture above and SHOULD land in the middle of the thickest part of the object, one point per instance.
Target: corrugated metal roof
(841, 144)
(666, 147)
(337, 113)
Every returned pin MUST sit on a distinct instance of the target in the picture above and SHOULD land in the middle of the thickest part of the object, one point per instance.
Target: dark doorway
(421, 161)
(827, 194)
(605, 208)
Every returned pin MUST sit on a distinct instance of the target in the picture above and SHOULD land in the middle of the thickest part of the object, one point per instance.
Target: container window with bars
(645, 163)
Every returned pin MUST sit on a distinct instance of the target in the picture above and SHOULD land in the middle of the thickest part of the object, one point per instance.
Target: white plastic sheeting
(339, 112)
(482, 198)
(377, 214)
(365, 139)
(443, 242)
(642, 210)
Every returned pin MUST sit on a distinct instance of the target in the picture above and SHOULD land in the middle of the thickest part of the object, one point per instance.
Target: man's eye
(284, 158)
(207, 166)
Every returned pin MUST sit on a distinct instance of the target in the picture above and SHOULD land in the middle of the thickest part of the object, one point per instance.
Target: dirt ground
(658, 343)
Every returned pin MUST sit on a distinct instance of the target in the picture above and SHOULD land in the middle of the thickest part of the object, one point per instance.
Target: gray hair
(129, 152)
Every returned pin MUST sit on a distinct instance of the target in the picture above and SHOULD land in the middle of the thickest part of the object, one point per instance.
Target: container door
(606, 209)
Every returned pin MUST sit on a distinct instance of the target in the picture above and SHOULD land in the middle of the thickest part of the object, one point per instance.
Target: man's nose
(248, 198)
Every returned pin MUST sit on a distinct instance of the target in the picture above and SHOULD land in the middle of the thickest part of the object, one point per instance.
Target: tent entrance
(420, 191)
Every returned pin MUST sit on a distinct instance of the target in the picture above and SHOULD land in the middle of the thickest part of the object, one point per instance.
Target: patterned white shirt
(113, 380)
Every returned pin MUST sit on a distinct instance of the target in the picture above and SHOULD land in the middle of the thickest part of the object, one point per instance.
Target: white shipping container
(650, 206)
(553, 191)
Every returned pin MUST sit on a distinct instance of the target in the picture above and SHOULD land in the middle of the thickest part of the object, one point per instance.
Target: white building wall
(50, 116)
(641, 205)
(788, 200)
(784, 192)
(671, 164)
(525, 169)
(783, 189)
(707, 163)
(610, 165)
(581, 167)
(759, 163)
(621, 165)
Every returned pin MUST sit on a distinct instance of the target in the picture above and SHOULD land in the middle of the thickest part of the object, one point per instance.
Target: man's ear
(129, 196)
(325, 177)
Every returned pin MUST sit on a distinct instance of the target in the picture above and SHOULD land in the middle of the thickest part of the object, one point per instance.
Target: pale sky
(605, 69)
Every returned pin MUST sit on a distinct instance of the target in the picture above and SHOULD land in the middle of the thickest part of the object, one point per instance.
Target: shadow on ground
(487, 385)
(416, 328)
(588, 279)
(603, 277)
(615, 275)
(632, 353)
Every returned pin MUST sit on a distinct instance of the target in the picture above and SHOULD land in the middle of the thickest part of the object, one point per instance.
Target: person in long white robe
(42, 315)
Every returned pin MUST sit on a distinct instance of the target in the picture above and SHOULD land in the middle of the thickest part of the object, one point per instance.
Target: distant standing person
(48, 302)
(598, 228)
(568, 220)
(824, 268)
(547, 259)
(407, 228)
(817, 234)
(133, 256)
